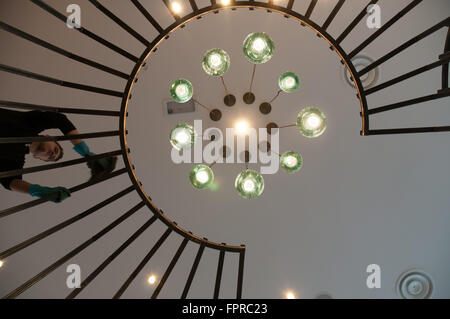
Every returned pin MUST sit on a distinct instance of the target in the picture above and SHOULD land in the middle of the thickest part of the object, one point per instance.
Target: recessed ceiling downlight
(369, 79)
(415, 284)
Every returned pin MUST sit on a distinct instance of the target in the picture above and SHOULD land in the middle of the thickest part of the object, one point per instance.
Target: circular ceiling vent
(369, 79)
(415, 284)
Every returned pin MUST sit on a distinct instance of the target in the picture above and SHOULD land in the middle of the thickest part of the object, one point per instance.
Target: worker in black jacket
(30, 124)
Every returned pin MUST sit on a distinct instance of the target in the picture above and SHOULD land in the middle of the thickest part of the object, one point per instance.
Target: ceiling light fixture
(291, 162)
(216, 62)
(182, 91)
(249, 184)
(201, 176)
(151, 280)
(258, 48)
(182, 136)
(311, 122)
(288, 82)
(176, 7)
(242, 127)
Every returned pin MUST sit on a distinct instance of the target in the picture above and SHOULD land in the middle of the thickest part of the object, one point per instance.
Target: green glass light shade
(289, 82)
(311, 122)
(258, 48)
(181, 91)
(249, 184)
(291, 162)
(201, 176)
(182, 136)
(216, 62)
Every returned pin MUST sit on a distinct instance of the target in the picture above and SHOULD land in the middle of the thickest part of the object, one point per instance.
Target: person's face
(47, 151)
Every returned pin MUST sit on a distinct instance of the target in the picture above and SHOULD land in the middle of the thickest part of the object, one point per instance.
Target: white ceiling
(357, 201)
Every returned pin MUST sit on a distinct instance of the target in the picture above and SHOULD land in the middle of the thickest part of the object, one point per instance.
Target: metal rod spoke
(32, 139)
(170, 268)
(409, 130)
(48, 79)
(219, 274)
(111, 258)
(202, 105)
(276, 96)
(407, 76)
(142, 264)
(18, 291)
(193, 271)
(310, 9)
(240, 274)
(355, 22)
(409, 102)
(290, 4)
(333, 14)
(445, 66)
(253, 78)
(57, 165)
(86, 32)
(63, 52)
(120, 22)
(19, 208)
(224, 85)
(26, 106)
(13, 250)
(386, 26)
(147, 14)
(193, 5)
(404, 46)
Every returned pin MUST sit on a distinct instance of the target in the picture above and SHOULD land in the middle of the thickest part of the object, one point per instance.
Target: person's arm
(21, 186)
(75, 142)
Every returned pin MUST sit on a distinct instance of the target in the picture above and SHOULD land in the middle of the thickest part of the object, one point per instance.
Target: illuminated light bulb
(201, 176)
(242, 127)
(182, 136)
(225, 2)
(181, 91)
(216, 62)
(290, 295)
(249, 184)
(259, 45)
(291, 162)
(176, 7)
(258, 48)
(289, 82)
(151, 279)
(1, 263)
(311, 122)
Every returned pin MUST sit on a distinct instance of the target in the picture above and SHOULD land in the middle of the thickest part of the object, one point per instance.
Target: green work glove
(39, 191)
(98, 167)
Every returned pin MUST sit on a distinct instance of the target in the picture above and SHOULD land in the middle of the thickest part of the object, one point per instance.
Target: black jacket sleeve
(9, 165)
(42, 121)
